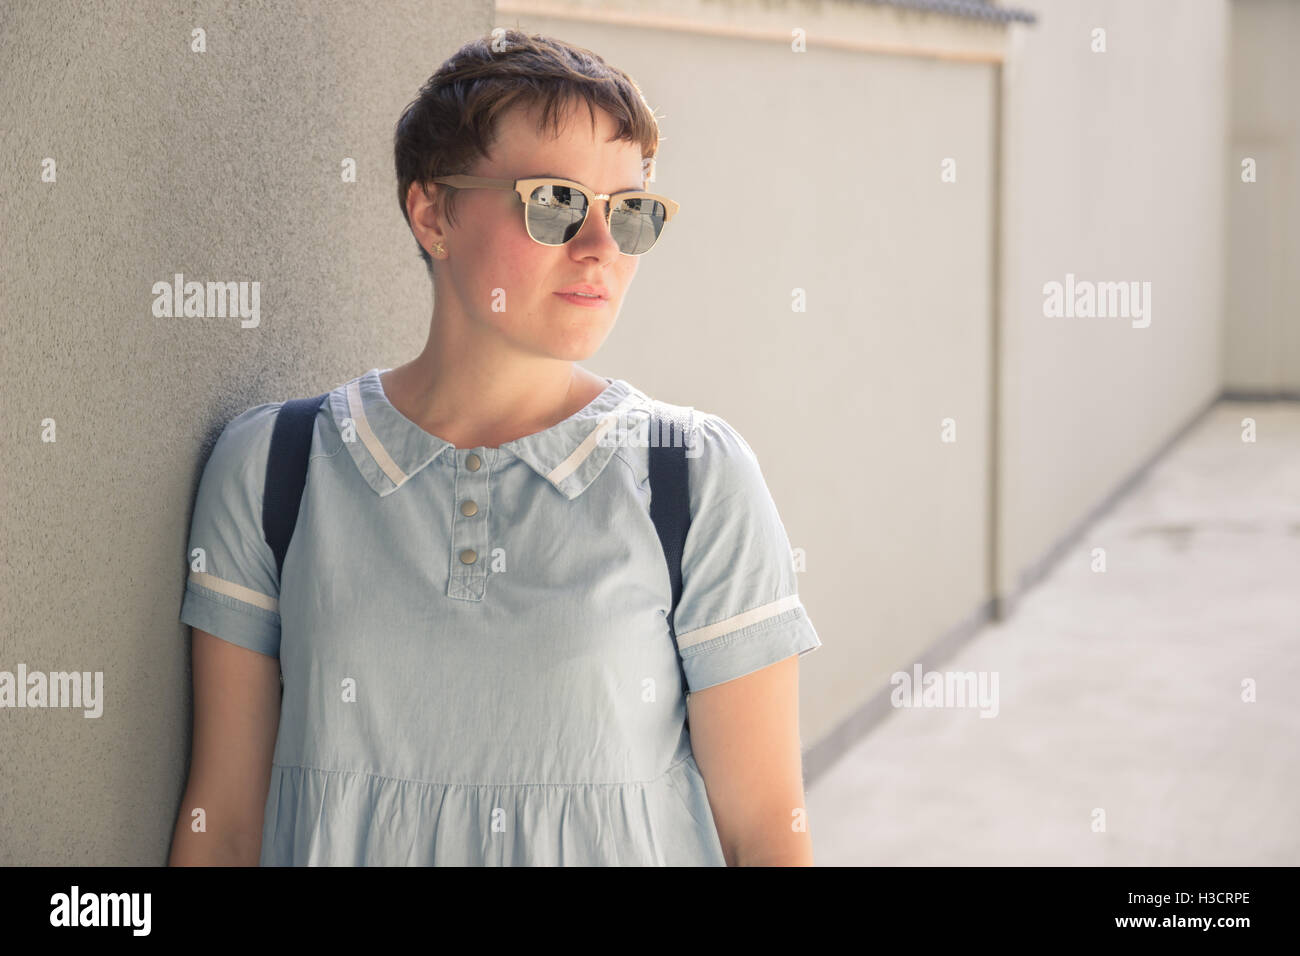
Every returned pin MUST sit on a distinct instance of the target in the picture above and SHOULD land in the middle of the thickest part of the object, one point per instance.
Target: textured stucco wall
(223, 165)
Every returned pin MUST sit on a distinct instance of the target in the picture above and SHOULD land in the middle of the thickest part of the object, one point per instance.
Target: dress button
(468, 508)
(472, 462)
(468, 556)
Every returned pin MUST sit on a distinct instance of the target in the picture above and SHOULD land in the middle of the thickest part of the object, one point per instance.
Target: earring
(437, 248)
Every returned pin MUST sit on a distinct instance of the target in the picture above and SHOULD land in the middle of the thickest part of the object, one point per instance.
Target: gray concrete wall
(1114, 165)
(1262, 338)
(224, 165)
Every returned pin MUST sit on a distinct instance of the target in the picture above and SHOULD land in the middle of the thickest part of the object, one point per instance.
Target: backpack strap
(670, 500)
(286, 472)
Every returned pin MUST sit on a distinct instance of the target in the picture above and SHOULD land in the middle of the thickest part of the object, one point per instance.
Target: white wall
(1262, 343)
(1114, 165)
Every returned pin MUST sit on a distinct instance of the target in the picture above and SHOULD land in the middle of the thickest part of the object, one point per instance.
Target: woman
(471, 620)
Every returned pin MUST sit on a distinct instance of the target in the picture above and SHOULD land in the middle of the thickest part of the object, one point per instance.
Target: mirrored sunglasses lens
(555, 214)
(635, 225)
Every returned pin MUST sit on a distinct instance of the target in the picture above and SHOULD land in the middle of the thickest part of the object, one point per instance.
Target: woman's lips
(588, 302)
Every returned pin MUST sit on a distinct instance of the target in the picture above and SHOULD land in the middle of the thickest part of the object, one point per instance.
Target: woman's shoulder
(715, 447)
(708, 430)
(239, 454)
(251, 427)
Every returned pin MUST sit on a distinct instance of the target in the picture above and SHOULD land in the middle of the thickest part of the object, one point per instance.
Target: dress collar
(388, 448)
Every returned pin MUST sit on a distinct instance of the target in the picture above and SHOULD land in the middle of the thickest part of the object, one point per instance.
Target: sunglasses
(555, 209)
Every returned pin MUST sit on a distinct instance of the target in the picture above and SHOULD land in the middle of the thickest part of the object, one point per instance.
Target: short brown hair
(454, 117)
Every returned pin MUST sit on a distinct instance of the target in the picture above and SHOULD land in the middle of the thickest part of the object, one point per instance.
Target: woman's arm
(236, 718)
(745, 734)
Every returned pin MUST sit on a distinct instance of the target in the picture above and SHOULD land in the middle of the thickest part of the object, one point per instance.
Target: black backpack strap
(670, 499)
(286, 472)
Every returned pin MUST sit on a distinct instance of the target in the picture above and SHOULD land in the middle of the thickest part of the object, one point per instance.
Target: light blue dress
(474, 646)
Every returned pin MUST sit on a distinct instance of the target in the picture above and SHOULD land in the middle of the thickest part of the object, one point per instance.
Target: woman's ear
(424, 209)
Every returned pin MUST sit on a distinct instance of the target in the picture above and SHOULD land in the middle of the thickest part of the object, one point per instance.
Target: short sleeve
(739, 609)
(233, 587)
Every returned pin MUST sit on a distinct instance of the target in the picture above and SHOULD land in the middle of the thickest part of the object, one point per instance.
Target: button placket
(470, 548)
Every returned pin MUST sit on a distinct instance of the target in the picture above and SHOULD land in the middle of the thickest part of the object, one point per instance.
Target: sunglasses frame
(524, 189)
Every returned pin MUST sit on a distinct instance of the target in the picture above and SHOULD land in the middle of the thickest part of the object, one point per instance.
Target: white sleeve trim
(236, 591)
(745, 619)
